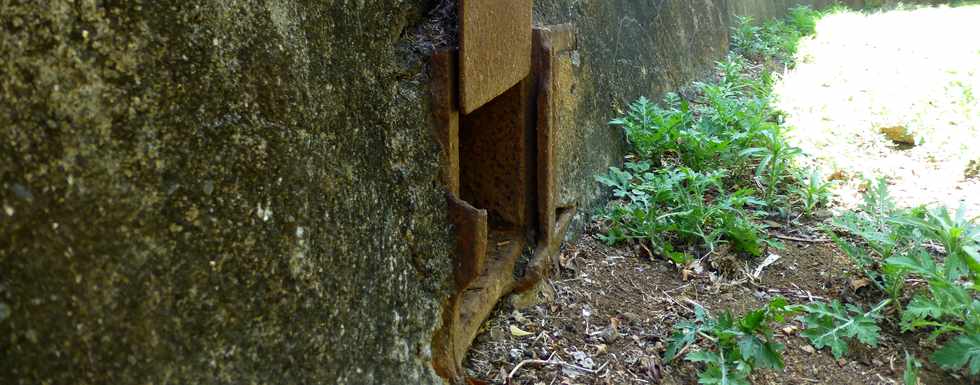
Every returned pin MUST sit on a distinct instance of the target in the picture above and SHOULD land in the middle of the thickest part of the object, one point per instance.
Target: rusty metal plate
(445, 112)
(553, 46)
(496, 158)
(495, 48)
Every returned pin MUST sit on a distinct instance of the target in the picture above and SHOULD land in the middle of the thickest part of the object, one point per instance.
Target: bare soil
(613, 310)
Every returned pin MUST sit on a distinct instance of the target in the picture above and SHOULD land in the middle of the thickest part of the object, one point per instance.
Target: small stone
(808, 349)
(898, 134)
(516, 354)
(972, 169)
(632, 318)
(601, 349)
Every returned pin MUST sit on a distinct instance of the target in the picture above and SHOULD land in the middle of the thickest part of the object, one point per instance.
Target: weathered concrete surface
(233, 191)
(217, 191)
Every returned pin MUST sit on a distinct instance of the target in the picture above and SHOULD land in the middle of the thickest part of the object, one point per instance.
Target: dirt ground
(893, 94)
(613, 310)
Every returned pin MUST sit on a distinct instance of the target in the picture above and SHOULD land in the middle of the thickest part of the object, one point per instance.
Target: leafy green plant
(875, 225)
(811, 190)
(899, 244)
(804, 19)
(886, 278)
(655, 131)
(958, 235)
(702, 149)
(963, 351)
(946, 306)
(678, 207)
(775, 158)
(776, 39)
(736, 345)
(832, 325)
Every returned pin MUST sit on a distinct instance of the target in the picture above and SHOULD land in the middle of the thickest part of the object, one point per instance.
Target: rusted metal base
(499, 170)
(470, 225)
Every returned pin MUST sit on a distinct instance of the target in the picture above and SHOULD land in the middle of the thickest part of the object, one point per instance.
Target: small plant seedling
(811, 190)
(959, 236)
(831, 325)
(775, 158)
(736, 345)
(912, 366)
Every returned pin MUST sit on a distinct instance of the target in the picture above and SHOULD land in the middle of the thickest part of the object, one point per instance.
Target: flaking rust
(498, 164)
(495, 48)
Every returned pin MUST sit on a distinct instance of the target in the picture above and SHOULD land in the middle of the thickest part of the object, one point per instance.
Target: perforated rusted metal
(496, 157)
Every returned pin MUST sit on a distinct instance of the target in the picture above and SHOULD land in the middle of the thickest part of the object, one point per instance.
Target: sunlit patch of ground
(916, 71)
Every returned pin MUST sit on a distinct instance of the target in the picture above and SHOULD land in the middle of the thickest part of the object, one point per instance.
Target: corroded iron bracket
(495, 122)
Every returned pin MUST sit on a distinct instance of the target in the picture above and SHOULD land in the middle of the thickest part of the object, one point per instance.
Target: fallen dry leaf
(859, 283)
(517, 332)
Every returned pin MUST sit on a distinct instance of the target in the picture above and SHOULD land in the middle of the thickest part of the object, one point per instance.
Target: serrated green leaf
(764, 354)
(920, 308)
(915, 262)
(830, 325)
(684, 335)
(961, 351)
(723, 375)
(822, 335)
(703, 356)
(751, 321)
(866, 330)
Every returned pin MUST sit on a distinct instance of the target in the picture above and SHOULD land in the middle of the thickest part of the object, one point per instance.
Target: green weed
(687, 193)
(832, 325)
(736, 345)
(811, 189)
(912, 366)
(776, 39)
(900, 243)
(775, 157)
(678, 209)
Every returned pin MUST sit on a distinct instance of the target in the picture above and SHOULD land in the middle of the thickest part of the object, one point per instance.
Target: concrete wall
(233, 191)
(217, 191)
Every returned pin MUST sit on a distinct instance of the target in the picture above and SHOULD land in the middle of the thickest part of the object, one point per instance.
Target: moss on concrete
(216, 191)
